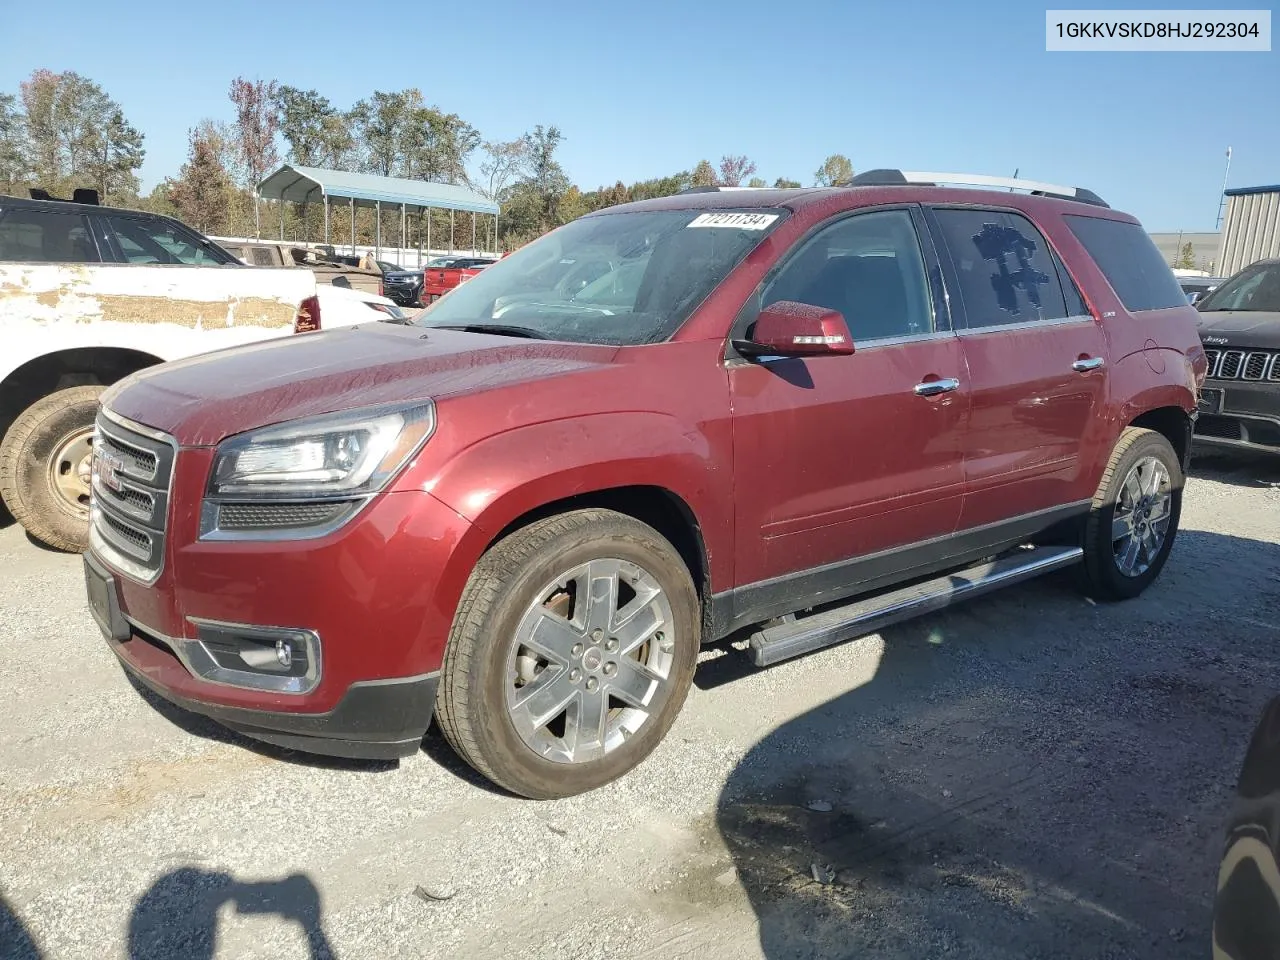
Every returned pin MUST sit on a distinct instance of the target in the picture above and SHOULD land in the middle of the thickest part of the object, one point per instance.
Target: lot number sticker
(736, 221)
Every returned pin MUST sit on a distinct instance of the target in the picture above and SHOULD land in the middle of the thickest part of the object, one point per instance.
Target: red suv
(792, 416)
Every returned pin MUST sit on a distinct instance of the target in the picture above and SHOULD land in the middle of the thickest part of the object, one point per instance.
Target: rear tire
(572, 651)
(44, 462)
(1134, 518)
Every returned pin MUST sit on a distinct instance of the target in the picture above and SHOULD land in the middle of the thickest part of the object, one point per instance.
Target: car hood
(1250, 329)
(204, 399)
(402, 275)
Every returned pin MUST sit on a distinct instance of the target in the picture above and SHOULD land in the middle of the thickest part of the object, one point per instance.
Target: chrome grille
(141, 463)
(1212, 357)
(132, 473)
(1255, 365)
(1243, 364)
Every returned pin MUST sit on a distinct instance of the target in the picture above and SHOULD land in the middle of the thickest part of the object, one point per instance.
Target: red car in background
(439, 280)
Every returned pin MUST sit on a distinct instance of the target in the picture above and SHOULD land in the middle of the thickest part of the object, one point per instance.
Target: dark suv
(1240, 329)
(524, 514)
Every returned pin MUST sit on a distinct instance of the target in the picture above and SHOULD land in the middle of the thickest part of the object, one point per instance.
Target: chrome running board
(869, 614)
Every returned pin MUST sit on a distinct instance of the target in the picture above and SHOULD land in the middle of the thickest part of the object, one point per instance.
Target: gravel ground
(1028, 775)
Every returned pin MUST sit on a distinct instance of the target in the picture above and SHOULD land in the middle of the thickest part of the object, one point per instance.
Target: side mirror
(790, 329)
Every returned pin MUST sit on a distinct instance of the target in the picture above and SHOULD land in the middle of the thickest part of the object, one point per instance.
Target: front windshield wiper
(501, 329)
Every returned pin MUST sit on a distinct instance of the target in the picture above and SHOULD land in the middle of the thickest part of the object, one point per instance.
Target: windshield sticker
(736, 221)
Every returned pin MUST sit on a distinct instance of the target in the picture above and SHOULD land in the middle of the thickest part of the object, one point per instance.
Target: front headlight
(310, 476)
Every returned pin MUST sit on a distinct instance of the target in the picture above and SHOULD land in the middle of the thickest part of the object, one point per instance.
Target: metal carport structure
(306, 185)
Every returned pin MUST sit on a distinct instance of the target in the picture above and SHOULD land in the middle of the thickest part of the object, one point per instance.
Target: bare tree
(733, 170)
(503, 161)
(257, 122)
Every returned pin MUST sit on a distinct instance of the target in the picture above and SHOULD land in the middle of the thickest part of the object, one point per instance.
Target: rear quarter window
(41, 236)
(1128, 258)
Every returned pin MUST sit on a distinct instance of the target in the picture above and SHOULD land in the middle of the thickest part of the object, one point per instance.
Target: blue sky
(648, 89)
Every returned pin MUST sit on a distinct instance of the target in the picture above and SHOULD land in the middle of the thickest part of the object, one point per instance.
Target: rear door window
(44, 236)
(1130, 261)
(1004, 267)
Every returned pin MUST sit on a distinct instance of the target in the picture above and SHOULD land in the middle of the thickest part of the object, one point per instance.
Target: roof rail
(718, 189)
(84, 195)
(887, 177)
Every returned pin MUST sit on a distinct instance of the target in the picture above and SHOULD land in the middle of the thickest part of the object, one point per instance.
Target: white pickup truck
(90, 294)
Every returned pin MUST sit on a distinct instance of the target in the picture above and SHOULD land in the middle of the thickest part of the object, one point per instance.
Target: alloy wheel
(591, 661)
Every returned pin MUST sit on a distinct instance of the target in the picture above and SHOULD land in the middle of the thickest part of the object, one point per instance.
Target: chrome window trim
(872, 343)
(859, 346)
(1080, 318)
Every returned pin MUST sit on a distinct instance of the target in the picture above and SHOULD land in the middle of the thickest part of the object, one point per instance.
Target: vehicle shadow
(41, 545)
(177, 916)
(434, 744)
(16, 943)
(1024, 775)
(201, 726)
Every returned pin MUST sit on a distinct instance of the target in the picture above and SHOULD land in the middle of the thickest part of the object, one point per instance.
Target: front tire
(44, 467)
(1134, 517)
(572, 651)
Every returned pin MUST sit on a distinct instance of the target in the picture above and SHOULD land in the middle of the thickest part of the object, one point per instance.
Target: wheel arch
(73, 367)
(1174, 424)
(663, 509)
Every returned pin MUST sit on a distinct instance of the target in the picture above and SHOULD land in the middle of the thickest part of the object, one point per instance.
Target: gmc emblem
(106, 468)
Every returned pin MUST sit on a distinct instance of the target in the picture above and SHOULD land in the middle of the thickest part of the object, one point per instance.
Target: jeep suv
(793, 417)
(1240, 329)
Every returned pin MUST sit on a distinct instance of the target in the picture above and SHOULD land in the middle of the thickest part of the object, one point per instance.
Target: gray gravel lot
(1028, 775)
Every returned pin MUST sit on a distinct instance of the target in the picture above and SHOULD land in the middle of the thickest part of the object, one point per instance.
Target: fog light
(284, 653)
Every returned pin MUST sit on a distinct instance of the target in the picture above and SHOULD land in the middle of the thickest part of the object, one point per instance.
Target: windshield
(1257, 288)
(619, 278)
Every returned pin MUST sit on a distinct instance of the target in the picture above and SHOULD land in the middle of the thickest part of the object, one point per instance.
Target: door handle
(931, 388)
(1084, 366)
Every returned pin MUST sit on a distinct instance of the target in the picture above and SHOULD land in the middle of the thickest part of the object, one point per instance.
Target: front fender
(501, 478)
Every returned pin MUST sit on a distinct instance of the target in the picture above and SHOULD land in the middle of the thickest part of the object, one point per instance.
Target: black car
(403, 286)
(1240, 330)
(1196, 288)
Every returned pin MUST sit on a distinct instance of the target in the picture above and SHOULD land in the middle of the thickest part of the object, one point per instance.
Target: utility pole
(1222, 199)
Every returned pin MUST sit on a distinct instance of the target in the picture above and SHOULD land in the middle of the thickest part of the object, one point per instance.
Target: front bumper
(406, 295)
(371, 603)
(374, 720)
(1236, 415)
